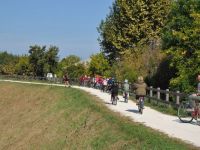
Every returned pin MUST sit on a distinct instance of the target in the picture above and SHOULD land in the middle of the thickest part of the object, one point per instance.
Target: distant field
(46, 117)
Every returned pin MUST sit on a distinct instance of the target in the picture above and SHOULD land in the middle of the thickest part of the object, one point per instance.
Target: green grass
(162, 107)
(67, 118)
(159, 106)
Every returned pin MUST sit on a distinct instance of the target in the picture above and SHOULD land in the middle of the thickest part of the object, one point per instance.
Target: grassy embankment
(46, 117)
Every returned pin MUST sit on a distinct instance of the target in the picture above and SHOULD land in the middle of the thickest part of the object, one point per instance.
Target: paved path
(188, 132)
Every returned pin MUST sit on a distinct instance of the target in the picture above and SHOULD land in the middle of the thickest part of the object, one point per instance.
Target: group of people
(97, 82)
(112, 86)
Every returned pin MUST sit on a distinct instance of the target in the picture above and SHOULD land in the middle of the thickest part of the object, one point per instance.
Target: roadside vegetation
(46, 117)
(158, 40)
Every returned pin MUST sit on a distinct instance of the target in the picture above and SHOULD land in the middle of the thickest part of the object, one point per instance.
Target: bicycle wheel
(115, 100)
(112, 99)
(141, 105)
(126, 98)
(185, 112)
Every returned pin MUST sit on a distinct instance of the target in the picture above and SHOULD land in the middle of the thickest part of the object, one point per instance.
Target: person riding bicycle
(195, 98)
(126, 88)
(140, 88)
(110, 83)
(114, 90)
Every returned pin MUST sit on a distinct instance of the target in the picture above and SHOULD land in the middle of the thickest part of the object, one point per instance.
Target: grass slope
(45, 117)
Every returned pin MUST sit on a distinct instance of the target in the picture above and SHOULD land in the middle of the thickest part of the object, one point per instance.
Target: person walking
(66, 80)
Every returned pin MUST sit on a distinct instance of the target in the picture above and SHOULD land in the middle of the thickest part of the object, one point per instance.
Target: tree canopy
(99, 65)
(181, 41)
(130, 24)
(72, 66)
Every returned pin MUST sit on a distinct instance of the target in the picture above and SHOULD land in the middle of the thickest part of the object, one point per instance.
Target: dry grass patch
(22, 112)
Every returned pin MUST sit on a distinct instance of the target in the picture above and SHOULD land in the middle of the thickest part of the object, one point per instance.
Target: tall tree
(181, 40)
(130, 24)
(51, 58)
(37, 60)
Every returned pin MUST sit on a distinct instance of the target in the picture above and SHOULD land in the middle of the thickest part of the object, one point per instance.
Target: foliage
(164, 73)
(42, 61)
(7, 63)
(181, 40)
(99, 65)
(72, 66)
(6, 58)
(37, 60)
(130, 25)
(22, 66)
(51, 57)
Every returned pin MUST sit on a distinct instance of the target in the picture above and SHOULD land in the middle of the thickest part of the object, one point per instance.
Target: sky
(70, 25)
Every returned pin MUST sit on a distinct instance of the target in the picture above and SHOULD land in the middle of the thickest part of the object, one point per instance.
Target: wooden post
(167, 95)
(158, 93)
(177, 98)
(151, 91)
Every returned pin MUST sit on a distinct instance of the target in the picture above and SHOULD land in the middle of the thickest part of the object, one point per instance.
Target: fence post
(177, 98)
(167, 95)
(158, 93)
(151, 91)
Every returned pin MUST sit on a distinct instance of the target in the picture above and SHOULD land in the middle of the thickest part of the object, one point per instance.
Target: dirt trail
(188, 132)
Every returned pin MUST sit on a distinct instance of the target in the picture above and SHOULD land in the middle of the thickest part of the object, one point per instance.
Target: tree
(130, 25)
(181, 41)
(7, 63)
(37, 60)
(22, 67)
(72, 66)
(99, 65)
(43, 61)
(51, 58)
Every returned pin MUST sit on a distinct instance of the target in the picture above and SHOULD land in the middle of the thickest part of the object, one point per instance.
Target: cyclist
(104, 84)
(114, 90)
(195, 98)
(140, 88)
(126, 89)
(109, 84)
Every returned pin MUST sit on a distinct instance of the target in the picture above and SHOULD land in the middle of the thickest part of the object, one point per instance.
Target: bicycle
(126, 97)
(187, 112)
(114, 99)
(141, 104)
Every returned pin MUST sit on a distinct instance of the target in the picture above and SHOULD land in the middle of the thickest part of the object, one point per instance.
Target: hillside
(47, 117)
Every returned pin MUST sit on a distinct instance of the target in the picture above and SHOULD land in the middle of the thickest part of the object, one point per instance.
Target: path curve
(188, 132)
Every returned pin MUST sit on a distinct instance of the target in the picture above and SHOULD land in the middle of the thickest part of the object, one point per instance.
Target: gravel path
(188, 132)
